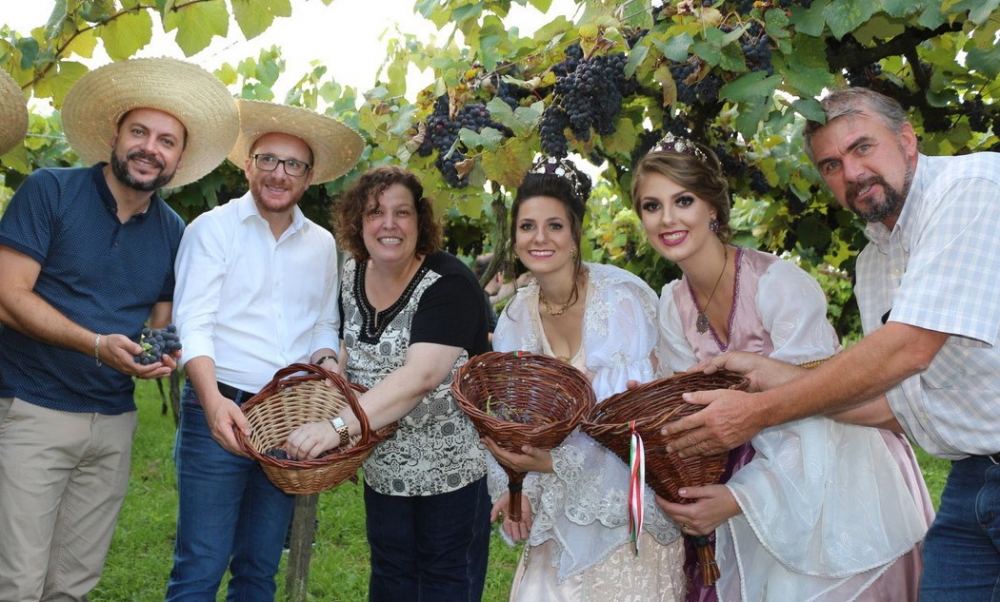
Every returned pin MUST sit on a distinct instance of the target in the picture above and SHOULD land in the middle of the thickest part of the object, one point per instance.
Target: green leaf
(979, 10)
(903, 8)
(879, 28)
(635, 58)
(676, 48)
(812, 21)
(511, 161)
(125, 35)
(197, 24)
(255, 16)
(813, 233)
(624, 139)
(56, 19)
(985, 62)
(28, 47)
(83, 44)
(56, 86)
(489, 139)
(752, 86)
(810, 109)
(844, 17)
(932, 18)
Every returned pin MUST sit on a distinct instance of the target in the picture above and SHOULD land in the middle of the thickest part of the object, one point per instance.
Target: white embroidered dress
(579, 511)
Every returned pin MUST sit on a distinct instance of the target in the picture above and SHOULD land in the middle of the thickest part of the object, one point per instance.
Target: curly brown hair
(349, 212)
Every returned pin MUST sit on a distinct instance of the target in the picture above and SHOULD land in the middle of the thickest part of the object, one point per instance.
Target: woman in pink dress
(816, 509)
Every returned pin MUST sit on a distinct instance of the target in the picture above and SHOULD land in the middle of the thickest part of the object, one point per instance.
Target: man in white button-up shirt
(929, 363)
(256, 291)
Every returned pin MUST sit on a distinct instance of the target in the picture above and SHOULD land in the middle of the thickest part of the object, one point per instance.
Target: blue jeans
(430, 548)
(229, 515)
(961, 553)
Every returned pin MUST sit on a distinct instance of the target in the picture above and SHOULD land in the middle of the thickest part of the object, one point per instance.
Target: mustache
(138, 154)
(852, 189)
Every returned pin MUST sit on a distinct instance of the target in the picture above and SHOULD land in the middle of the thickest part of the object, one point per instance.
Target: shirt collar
(246, 209)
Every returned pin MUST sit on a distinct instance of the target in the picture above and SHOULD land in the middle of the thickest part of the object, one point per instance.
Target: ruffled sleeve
(825, 508)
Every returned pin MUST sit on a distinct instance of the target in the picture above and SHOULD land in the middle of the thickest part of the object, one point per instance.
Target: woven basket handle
(340, 382)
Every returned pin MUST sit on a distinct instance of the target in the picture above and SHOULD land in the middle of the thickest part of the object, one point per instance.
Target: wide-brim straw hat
(13, 113)
(336, 147)
(194, 96)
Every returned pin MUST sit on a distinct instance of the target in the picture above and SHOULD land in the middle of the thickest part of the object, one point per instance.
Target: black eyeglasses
(293, 167)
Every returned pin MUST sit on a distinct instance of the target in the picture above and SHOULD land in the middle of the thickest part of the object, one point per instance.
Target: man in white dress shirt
(256, 291)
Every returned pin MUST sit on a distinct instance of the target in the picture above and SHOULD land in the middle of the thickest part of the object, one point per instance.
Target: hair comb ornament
(564, 169)
(675, 144)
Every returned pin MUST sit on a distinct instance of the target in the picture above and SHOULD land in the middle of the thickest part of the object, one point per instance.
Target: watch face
(338, 422)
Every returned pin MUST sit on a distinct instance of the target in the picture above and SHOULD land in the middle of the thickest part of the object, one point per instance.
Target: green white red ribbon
(636, 490)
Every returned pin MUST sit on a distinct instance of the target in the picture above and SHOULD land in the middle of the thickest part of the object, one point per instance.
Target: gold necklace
(545, 303)
(702, 323)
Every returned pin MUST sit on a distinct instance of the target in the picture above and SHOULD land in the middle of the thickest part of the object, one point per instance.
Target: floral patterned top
(436, 449)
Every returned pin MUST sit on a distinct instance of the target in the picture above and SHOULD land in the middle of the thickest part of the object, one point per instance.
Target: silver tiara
(562, 168)
(675, 144)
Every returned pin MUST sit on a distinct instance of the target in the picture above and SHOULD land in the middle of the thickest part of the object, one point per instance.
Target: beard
(888, 207)
(119, 168)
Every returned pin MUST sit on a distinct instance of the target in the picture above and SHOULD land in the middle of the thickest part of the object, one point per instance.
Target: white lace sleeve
(824, 506)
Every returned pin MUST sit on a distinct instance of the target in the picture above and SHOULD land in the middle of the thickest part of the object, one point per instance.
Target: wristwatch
(341, 427)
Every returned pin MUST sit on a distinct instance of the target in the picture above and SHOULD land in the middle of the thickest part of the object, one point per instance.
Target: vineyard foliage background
(603, 83)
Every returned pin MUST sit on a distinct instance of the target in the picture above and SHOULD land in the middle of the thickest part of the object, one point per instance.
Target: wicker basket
(520, 399)
(299, 394)
(651, 406)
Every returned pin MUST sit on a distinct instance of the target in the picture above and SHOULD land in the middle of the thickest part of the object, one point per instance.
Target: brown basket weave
(651, 406)
(520, 399)
(299, 394)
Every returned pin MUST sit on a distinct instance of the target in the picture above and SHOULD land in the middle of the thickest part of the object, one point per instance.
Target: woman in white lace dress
(600, 319)
(814, 510)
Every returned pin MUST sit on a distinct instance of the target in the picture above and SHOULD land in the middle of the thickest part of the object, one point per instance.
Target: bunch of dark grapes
(704, 91)
(586, 99)
(758, 53)
(758, 182)
(512, 94)
(866, 76)
(157, 343)
(573, 56)
(979, 116)
(441, 134)
(732, 167)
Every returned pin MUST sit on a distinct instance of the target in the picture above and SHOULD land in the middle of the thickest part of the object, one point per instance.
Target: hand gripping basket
(299, 394)
(520, 399)
(651, 406)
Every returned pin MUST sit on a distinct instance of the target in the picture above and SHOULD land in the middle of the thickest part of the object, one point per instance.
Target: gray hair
(855, 101)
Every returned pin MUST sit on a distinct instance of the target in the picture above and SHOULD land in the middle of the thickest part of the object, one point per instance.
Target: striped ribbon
(636, 491)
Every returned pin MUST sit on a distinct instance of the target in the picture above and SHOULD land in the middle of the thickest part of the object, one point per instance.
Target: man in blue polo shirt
(86, 259)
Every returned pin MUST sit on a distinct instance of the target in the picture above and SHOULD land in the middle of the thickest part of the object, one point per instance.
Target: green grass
(141, 552)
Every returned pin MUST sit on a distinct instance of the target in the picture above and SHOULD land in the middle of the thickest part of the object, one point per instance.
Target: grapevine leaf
(810, 109)
(28, 47)
(812, 21)
(56, 19)
(676, 48)
(985, 62)
(979, 10)
(510, 162)
(125, 35)
(844, 17)
(635, 58)
(489, 139)
(751, 86)
(83, 44)
(197, 24)
(624, 139)
(56, 87)
(255, 16)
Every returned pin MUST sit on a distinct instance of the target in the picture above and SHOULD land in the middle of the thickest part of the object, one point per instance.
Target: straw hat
(335, 146)
(194, 96)
(13, 113)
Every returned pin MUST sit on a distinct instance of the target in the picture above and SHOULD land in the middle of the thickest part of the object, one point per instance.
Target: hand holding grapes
(119, 352)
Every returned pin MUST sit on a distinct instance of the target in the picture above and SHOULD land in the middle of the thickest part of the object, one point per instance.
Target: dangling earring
(714, 226)
(572, 253)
